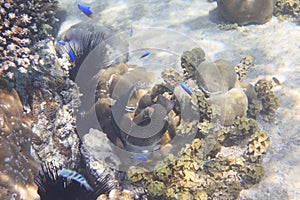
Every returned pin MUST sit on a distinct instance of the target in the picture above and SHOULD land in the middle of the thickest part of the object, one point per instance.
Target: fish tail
(88, 187)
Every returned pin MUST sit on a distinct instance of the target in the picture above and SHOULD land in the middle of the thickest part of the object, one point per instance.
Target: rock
(233, 104)
(17, 166)
(246, 12)
(216, 77)
(228, 73)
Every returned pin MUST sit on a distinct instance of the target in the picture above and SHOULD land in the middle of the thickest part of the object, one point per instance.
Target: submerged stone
(216, 77)
(233, 104)
(246, 12)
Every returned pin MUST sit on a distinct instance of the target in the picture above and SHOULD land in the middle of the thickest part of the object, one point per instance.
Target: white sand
(274, 47)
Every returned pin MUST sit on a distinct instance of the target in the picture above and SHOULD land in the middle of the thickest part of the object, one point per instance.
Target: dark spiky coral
(52, 186)
(82, 38)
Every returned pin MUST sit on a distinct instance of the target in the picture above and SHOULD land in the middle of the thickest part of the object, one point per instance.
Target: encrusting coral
(18, 167)
(285, 8)
(24, 24)
(223, 159)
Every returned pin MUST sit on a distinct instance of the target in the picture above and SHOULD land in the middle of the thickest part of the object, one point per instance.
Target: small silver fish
(276, 81)
(72, 175)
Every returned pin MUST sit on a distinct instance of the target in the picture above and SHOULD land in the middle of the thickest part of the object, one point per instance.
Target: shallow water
(170, 27)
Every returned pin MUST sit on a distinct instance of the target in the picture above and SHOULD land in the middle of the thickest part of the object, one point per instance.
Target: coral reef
(268, 99)
(218, 150)
(246, 12)
(242, 68)
(52, 105)
(224, 158)
(23, 25)
(18, 167)
(82, 38)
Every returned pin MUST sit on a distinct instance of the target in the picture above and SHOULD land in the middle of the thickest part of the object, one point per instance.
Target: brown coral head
(246, 11)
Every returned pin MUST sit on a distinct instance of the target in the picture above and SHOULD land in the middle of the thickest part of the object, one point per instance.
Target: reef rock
(246, 12)
(234, 104)
(17, 167)
(216, 77)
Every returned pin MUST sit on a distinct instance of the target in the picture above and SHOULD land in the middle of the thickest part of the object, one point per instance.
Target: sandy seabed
(172, 27)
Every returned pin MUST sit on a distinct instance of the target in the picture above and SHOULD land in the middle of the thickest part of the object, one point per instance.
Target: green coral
(186, 128)
(269, 101)
(190, 60)
(242, 129)
(257, 146)
(163, 173)
(156, 188)
(171, 77)
(242, 68)
(136, 174)
(285, 8)
(253, 175)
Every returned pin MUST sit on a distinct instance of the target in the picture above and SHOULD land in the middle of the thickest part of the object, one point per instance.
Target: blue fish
(85, 9)
(72, 175)
(62, 42)
(186, 88)
(140, 158)
(71, 56)
(145, 55)
(131, 32)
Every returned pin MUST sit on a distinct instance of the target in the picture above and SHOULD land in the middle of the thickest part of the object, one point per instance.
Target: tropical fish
(131, 32)
(139, 157)
(145, 55)
(72, 175)
(186, 88)
(276, 81)
(62, 42)
(71, 56)
(85, 9)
